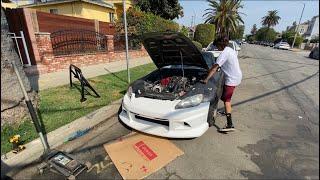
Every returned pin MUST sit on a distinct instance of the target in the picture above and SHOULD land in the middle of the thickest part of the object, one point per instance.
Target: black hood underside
(168, 48)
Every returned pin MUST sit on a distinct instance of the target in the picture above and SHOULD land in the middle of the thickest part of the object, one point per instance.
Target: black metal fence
(77, 41)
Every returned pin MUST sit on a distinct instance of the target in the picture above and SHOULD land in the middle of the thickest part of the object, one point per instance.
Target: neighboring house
(313, 29)
(302, 28)
(102, 10)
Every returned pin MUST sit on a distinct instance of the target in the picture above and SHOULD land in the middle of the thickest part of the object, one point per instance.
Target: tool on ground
(63, 163)
(57, 161)
(77, 73)
(16, 144)
(31, 110)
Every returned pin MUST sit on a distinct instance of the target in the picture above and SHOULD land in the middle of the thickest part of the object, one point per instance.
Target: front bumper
(159, 117)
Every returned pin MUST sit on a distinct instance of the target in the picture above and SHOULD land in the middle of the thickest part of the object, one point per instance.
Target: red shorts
(227, 93)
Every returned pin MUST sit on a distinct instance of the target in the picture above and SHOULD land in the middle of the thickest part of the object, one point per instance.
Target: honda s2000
(171, 101)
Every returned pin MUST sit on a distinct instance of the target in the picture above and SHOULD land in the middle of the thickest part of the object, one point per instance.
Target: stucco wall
(79, 9)
(13, 108)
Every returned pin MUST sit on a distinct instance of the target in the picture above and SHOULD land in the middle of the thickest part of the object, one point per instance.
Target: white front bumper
(159, 117)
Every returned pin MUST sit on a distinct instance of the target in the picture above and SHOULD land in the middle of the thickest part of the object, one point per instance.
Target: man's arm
(212, 71)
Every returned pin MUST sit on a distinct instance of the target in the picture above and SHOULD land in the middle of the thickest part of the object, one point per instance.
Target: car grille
(162, 122)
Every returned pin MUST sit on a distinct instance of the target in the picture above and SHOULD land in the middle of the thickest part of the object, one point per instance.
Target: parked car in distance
(171, 101)
(314, 54)
(282, 45)
(213, 49)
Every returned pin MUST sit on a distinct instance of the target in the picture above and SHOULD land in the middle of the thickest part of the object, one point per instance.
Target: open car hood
(166, 48)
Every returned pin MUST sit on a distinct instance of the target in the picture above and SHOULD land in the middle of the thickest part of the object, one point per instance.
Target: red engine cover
(165, 81)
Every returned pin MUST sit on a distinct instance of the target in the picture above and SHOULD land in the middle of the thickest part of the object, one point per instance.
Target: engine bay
(175, 85)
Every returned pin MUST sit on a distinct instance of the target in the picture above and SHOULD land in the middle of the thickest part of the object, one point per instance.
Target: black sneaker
(227, 128)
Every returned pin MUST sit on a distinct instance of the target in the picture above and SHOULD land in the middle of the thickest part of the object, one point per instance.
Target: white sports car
(171, 101)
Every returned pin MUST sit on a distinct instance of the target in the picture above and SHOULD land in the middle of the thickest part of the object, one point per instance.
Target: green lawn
(61, 105)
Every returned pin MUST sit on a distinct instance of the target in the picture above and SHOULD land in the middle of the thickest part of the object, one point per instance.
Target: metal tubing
(25, 47)
(126, 36)
(31, 110)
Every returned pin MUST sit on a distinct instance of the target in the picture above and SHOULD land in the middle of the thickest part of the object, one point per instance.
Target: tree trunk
(13, 108)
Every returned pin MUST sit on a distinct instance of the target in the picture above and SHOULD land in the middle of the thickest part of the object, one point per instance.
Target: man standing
(229, 64)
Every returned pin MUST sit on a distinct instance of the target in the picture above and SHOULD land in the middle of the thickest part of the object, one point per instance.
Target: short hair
(222, 41)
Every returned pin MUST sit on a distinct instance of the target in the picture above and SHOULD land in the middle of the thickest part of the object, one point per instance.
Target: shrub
(141, 22)
(204, 34)
(315, 40)
(198, 45)
(184, 30)
(289, 37)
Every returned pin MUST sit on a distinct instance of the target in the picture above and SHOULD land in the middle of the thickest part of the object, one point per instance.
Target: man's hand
(205, 81)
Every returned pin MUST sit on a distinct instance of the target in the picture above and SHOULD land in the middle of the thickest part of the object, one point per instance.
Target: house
(301, 29)
(313, 28)
(101, 10)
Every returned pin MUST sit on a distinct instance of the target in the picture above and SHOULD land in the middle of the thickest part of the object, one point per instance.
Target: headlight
(129, 92)
(190, 101)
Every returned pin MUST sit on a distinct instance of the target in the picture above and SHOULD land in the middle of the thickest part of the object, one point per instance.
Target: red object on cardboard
(145, 150)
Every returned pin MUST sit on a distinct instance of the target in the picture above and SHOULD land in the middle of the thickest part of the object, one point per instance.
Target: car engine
(174, 85)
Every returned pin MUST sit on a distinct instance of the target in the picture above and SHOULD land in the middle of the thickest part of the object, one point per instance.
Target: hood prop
(182, 68)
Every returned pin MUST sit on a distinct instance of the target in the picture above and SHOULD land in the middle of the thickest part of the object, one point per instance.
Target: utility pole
(126, 36)
(295, 36)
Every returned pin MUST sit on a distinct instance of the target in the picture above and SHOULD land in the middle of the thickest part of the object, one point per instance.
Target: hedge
(198, 45)
(204, 34)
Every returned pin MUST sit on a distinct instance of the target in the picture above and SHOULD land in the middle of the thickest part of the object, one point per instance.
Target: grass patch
(61, 105)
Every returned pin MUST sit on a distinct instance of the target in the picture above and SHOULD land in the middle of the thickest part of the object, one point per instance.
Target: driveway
(275, 111)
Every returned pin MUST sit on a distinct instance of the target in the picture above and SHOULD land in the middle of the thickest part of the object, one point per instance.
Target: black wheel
(212, 114)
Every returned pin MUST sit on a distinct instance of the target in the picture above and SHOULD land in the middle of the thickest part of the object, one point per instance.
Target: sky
(289, 11)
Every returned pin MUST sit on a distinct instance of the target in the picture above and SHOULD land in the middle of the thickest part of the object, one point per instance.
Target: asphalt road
(275, 111)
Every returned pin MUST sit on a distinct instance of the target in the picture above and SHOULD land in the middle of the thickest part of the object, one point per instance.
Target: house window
(111, 17)
(54, 11)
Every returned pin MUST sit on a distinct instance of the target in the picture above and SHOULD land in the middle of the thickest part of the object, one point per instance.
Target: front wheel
(212, 114)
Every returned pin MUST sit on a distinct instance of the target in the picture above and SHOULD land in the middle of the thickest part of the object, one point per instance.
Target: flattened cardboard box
(137, 155)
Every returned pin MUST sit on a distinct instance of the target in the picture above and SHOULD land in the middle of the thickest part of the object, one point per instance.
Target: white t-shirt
(228, 61)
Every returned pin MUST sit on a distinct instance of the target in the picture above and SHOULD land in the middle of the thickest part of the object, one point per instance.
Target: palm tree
(271, 19)
(225, 15)
(254, 29)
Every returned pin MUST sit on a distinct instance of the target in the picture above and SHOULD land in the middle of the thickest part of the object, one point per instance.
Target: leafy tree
(141, 22)
(315, 39)
(204, 34)
(271, 19)
(238, 34)
(167, 9)
(266, 34)
(289, 37)
(184, 30)
(254, 29)
(224, 15)
(198, 45)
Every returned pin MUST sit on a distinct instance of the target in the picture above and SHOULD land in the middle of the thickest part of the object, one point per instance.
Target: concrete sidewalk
(45, 81)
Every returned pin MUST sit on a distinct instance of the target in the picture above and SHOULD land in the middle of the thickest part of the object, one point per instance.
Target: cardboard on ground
(138, 155)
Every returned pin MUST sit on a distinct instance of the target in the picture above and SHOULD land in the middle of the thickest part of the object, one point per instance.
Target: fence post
(25, 48)
(110, 43)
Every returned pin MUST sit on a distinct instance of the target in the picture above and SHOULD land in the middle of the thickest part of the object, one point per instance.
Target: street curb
(34, 149)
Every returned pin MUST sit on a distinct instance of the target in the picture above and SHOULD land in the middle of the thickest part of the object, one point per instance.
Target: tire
(212, 115)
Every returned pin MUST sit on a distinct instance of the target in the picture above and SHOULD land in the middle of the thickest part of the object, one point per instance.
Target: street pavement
(276, 114)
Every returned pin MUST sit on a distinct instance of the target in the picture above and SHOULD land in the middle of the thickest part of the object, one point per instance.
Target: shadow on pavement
(278, 60)
(123, 80)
